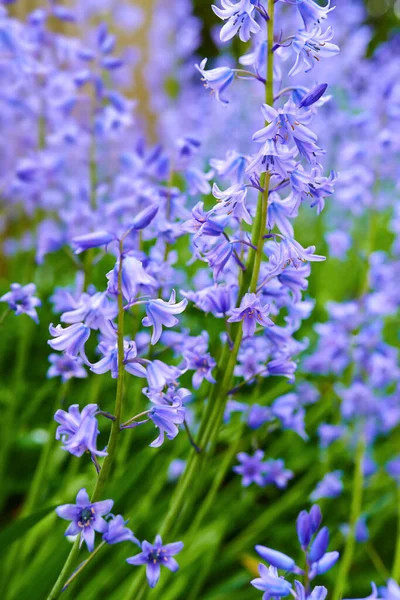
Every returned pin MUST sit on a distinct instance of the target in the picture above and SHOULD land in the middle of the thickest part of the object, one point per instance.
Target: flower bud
(327, 562)
(275, 558)
(319, 546)
(304, 528)
(315, 517)
(145, 217)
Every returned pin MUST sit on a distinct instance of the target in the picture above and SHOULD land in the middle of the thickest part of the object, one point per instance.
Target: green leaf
(19, 528)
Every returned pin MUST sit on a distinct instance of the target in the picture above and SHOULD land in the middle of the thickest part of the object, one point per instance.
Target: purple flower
(95, 311)
(217, 79)
(159, 375)
(330, 433)
(274, 158)
(86, 518)
(118, 532)
(202, 363)
(310, 46)
(155, 555)
(166, 418)
(312, 12)
(232, 201)
(275, 473)
(239, 19)
(95, 239)
(251, 312)
(134, 277)
(161, 313)
(145, 217)
(252, 468)
(330, 486)
(270, 583)
(21, 300)
(71, 340)
(65, 367)
(109, 362)
(78, 430)
(287, 122)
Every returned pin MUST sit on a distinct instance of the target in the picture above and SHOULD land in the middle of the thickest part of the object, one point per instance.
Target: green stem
(82, 566)
(396, 563)
(112, 441)
(355, 512)
(5, 315)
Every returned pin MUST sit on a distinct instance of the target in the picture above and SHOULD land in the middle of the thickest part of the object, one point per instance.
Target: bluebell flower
(155, 555)
(86, 517)
(258, 415)
(330, 486)
(134, 279)
(96, 239)
(71, 340)
(330, 433)
(288, 122)
(275, 473)
(232, 201)
(233, 166)
(252, 468)
(270, 583)
(312, 12)
(391, 591)
(198, 181)
(251, 312)
(257, 58)
(161, 313)
(160, 374)
(204, 223)
(202, 363)
(318, 593)
(239, 17)
(78, 431)
(22, 300)
(95, 311)
(109, 362)
(310, 46)
(273, 158)
(216, 299)
(166, 418)
(217, 79)
(219, 255)
(66, 367)
(118, 532)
